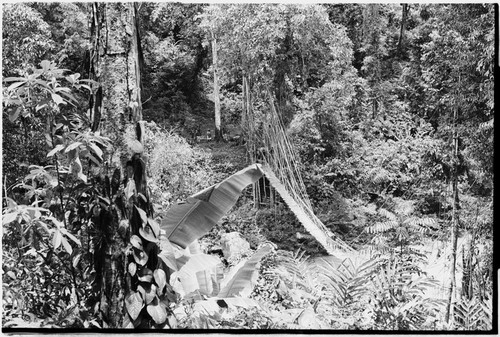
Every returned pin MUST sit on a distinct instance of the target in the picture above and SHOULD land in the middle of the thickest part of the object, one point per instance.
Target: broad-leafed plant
(163, 271)
(46, 212)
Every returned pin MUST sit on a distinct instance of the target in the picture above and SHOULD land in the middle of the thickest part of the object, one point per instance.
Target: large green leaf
(160, 278)
(196, 274)
(134, 304)
(145, 275)
(157, 310)
(206, 281)
(148, 292)
(189, 221)
(242, 281)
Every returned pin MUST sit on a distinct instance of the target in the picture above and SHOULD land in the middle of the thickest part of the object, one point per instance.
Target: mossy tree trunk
(116, 105)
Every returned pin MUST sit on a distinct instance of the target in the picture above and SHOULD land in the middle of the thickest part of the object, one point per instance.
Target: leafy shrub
(391, 290)
(396, 230)
(44, 229)
(230, 108)
(299, 277)
(175, 169)
(398, 297)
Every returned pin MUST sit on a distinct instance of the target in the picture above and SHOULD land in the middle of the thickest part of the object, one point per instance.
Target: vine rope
(281, 167)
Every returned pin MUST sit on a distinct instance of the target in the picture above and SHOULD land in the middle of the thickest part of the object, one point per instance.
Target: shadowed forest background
(248, 166)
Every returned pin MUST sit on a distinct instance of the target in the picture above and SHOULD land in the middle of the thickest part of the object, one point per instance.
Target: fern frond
(381, 227)
(370, 266)
(423, 310)
(347, 267)
(402, 233)
(429, 222)
(348, 283)
(486, 125)
(381, 176)
(379, 241)
(421, 225)
(374, 250)
(296, 271)
(388, 214)
(335, 283)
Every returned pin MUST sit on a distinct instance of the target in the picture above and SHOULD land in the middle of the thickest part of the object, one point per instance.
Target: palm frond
(471, 314)
(293, 270)
(487, 306)
(346, 282)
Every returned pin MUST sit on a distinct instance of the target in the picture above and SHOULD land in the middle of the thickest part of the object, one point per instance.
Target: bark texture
(115, 66)
(117, 69)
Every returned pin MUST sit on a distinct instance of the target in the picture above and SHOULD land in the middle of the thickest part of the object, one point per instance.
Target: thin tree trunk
(370, 15)
(468, 257)
(281, 90)
(218, 130)
(248, 121)
(454, 222)
(406, 9)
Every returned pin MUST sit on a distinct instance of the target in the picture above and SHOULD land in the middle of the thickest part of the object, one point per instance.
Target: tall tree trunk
(370, 14)
(116, 67)
(371, 33)
(454, 221)
(218, 130)
(281, 89)
(406, 10)
(248, 123)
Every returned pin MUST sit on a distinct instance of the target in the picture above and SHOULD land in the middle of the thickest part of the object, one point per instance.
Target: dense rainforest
(248, 166)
